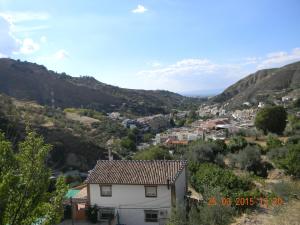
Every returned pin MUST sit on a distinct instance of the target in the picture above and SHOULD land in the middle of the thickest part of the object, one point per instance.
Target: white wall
(131, 202)
(180, 187)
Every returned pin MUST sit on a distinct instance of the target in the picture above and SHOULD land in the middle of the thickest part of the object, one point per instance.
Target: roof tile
(135, 171)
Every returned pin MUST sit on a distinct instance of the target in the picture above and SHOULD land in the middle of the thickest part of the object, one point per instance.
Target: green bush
(237, 143)
(128, 144)
(273, 141)
(294, 139)
(292, 160)
(208, 175)
(287, 158)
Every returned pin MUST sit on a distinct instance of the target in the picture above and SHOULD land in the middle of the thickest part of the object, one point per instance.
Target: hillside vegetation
(78, 140)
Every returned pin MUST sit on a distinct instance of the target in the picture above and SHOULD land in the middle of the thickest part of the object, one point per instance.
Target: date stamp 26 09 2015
(247, 201)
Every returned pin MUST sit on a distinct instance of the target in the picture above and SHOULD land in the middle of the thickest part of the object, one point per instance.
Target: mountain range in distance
(30, 81)
(33, 82)
(202, 93)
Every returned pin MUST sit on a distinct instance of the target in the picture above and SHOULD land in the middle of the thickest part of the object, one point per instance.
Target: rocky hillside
(29, 81)
(78, 141)
(264, 85)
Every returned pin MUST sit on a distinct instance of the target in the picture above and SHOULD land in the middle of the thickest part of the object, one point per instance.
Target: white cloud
(61, 54)
(139, 9)
(191, 74)
(29, 46)
(187, 67)
(277, 59)
(17, 17)
(22, 29)
(9, 43)
(203, 74)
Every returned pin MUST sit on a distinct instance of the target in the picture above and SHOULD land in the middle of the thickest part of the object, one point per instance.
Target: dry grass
(262, 141)
(83, 119)
(287, 215)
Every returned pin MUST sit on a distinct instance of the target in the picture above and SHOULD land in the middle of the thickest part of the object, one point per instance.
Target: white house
(137, 192)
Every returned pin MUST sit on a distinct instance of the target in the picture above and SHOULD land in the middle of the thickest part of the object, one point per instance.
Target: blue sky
(178, 45)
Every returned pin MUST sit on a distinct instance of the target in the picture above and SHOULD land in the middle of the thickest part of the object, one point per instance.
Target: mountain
(78, 141)
(264, 85)
(30, 81)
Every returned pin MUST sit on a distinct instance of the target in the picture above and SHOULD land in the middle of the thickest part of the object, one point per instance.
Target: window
(151, 216)
(105, 190)
(106, 214)
(150, 191)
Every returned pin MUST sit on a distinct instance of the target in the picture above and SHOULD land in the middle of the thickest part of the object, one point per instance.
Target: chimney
(110, 155)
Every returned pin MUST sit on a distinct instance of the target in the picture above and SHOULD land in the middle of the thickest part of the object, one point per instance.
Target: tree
(128, 144)
(271, 119)
(27, 200)
(7, 163)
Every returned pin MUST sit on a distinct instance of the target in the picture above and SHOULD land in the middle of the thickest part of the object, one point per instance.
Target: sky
(185, 46)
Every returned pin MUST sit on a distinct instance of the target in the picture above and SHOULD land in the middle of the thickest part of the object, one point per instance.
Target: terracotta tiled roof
(135, 171)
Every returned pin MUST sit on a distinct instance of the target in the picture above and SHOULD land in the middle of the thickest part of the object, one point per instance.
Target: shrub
(200, 151)
(237, 143)
(294, 139)
(273, 141)
(277, 153)
(287, 158)
(286, 190)
(211, 215)
(212, 176)
(178, 216)
(292, 161)
(250, 159)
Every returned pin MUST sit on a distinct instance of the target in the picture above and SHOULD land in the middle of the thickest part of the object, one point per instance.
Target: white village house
(136, 192)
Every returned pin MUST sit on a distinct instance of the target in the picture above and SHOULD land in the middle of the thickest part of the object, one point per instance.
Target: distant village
(216, 123)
